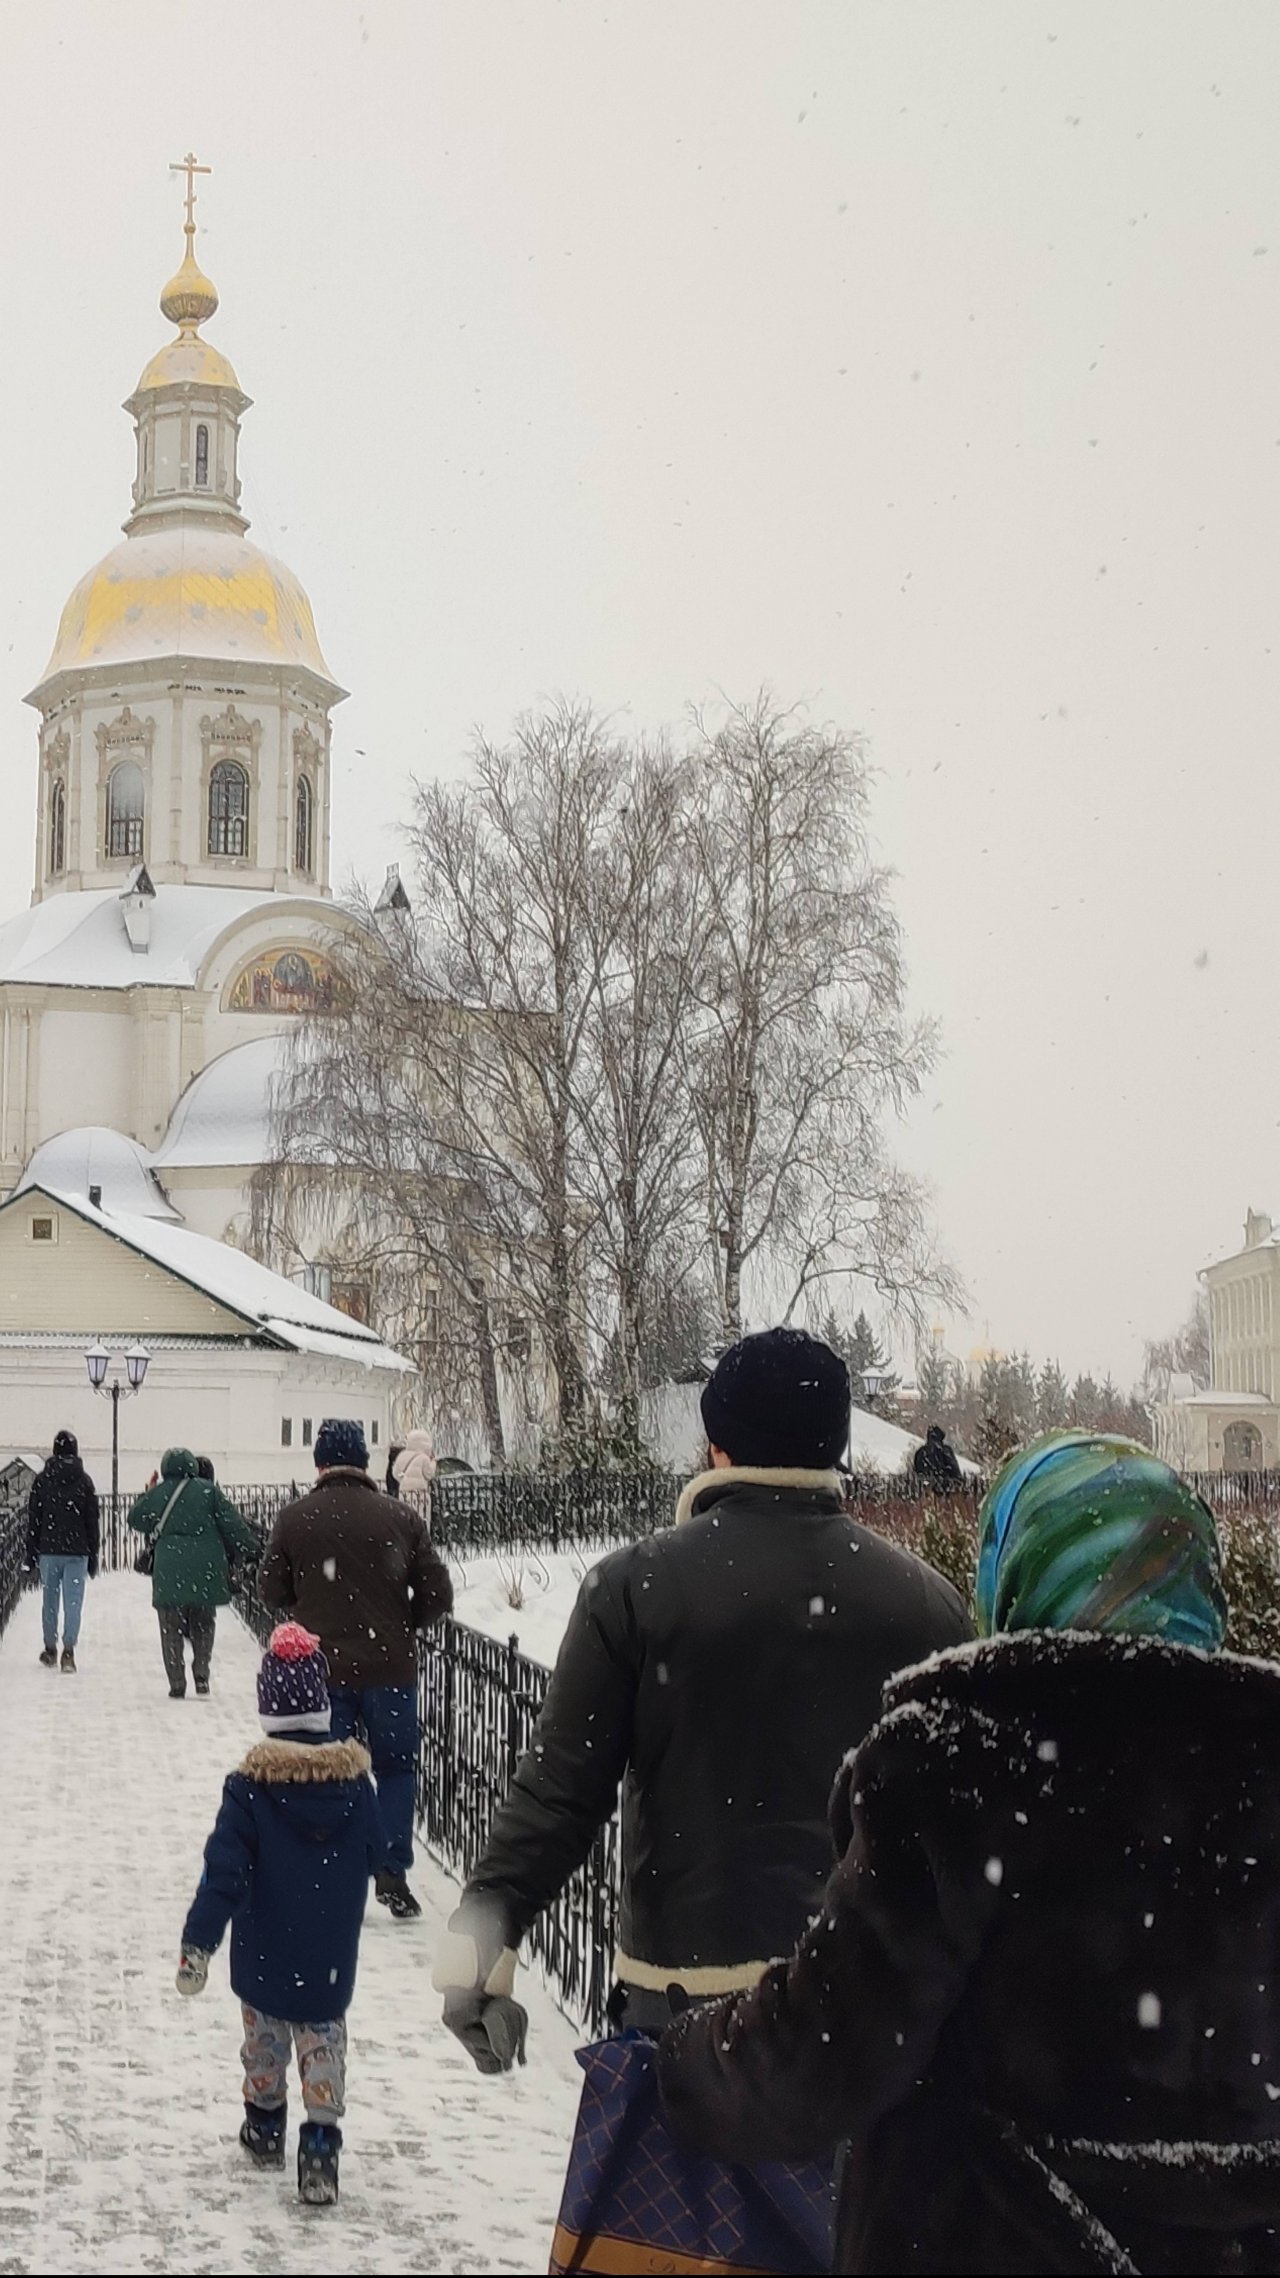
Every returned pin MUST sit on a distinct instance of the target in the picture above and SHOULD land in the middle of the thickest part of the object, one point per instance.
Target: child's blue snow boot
(262, 2135)
(318, 2148)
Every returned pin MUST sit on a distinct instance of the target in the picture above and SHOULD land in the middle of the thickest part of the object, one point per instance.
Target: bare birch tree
(506, 865)
(645, 943)
(803, 1046)
(368, 1170)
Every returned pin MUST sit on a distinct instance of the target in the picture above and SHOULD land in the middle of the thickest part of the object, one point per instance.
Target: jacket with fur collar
(288, 1865)
(1041, 2002)
(719, 1671)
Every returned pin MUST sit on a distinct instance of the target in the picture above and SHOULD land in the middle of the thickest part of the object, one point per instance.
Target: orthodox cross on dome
(189, 297)
(190, 167)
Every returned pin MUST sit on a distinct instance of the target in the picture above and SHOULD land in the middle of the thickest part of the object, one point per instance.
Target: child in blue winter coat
(288, 1866)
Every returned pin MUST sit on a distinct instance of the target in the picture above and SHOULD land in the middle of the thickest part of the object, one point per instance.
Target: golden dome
(183, 592)
(189, 298)
(191, 359)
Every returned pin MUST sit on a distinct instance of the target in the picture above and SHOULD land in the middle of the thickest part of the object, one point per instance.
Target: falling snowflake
(1149, 2011)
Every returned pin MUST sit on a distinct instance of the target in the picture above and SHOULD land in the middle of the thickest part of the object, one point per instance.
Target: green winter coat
(192, 1565)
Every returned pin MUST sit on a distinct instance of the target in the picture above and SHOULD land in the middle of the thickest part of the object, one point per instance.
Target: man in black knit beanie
(719, 1673)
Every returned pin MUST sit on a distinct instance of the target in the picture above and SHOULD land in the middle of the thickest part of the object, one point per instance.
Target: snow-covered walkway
(122, 2100)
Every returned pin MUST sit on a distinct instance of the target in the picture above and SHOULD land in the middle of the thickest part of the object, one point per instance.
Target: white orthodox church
(182, 909)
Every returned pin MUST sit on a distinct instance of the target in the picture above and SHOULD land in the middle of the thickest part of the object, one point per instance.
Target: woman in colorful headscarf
(1040, 2010)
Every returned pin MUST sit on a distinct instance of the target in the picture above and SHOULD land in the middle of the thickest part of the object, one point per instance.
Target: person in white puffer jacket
(415, 1468)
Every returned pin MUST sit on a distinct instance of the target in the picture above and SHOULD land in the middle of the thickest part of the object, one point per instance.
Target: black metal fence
(479, 1701)
(475, 1512)
(13, 1557)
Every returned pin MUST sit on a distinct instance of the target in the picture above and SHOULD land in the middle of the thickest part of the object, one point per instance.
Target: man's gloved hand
(193, 1970)
(475, 1970)
(93, 1567)
(492, 2027)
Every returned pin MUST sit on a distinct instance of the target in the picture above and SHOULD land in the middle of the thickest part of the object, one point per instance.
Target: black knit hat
(779, 1399)
(340, 1443)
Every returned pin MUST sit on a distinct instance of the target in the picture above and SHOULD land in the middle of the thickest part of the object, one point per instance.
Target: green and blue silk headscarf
(1082, 1531)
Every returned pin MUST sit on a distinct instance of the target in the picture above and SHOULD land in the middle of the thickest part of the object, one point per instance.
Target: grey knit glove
(492, 2028)
(193, 1970)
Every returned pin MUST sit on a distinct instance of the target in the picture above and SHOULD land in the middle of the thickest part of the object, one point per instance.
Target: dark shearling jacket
(719, 1671)
(1042, 2001)
(356, 1568)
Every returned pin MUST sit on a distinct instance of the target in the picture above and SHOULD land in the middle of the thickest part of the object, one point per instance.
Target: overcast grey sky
(919, 359)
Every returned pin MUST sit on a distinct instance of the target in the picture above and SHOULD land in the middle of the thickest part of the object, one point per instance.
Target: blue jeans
(63, 1578)
(386, 1718)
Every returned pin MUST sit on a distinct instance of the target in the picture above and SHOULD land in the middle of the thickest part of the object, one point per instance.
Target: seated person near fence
(719, 1672)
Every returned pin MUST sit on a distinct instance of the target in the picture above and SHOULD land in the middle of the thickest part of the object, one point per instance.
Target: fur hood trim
(284, 1762)
(752, 1475)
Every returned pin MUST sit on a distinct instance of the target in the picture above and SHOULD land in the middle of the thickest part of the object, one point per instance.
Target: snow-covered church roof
(225, 1113)
(79, 941)
(265, 1301)
(95, 1158)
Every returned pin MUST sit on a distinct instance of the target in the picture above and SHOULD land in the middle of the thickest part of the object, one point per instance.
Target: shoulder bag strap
(168, 1510)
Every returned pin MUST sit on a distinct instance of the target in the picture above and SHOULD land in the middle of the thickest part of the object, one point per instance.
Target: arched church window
(303, 827)
(202, 457)
(126, 810)
(57, 828)
(228, 809)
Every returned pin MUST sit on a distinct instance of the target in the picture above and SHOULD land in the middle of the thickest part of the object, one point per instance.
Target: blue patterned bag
(635, 2203)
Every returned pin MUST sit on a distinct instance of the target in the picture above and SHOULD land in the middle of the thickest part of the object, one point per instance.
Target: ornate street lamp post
(97, 1361)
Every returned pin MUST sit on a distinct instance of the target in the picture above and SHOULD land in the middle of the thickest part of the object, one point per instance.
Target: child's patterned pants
(322, 2062)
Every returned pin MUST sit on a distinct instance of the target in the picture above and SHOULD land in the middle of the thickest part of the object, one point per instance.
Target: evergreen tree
(993, 1441)
(1085, 1407)
(1022, 1397)
(864, 1355)
(935, 1384)
(1053, 1400)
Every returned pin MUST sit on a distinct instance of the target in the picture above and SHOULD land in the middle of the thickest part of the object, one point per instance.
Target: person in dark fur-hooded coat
(1040, 2006)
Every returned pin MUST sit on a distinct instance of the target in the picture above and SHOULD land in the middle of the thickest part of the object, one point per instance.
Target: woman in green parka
(196, 1533)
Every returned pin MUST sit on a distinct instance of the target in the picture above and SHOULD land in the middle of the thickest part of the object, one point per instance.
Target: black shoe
(202, 1688)
(49, 1658)
(318, 2148)
(177, 1692)
(68, 1661)
(393, 1892)
(262, 2135)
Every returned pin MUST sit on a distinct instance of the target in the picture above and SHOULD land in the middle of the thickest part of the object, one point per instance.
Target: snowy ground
(548, 1582)
(122, 2099)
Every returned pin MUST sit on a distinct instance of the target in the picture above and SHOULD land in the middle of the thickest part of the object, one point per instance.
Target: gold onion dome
(189, 298)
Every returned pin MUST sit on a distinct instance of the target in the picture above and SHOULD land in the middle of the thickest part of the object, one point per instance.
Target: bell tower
(187, 407)
(185, 708)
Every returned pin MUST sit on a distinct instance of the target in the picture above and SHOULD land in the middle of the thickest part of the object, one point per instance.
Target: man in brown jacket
(357, 1568)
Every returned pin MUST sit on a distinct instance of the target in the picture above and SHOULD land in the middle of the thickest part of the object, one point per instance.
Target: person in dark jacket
(935, 1462)
(288, 1865)
(718, 1672)
(63, 1541)
(1040, 2002)
(357, 1567)
(196, 1533)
